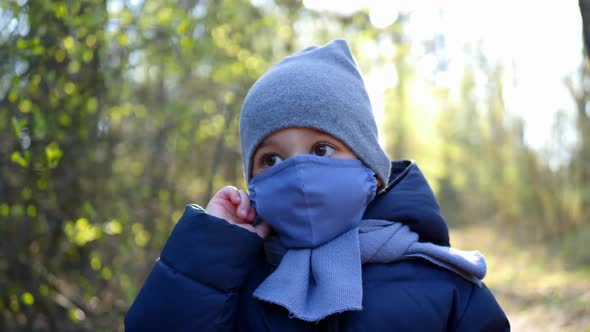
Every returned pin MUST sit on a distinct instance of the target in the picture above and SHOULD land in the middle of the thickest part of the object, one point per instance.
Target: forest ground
(537, 290)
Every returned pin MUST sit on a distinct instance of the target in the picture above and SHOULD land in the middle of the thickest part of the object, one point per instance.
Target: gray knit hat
(319, 88)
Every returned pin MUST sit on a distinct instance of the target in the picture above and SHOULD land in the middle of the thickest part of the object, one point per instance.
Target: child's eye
(323, 150)
(271, 160)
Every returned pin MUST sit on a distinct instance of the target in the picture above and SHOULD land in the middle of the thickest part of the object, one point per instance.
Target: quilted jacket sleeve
(483, 313)
(194, 284)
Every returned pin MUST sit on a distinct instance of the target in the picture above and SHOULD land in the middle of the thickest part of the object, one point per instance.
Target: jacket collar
(410, 200)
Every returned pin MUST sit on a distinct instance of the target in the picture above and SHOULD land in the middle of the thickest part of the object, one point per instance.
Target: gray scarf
(317, 282)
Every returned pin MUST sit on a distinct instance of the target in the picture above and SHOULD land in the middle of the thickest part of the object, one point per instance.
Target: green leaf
(19, 125)
(113, 227)
(39, 125)
(25, 106)
(28, 298)
(18, 158)
(54, 154)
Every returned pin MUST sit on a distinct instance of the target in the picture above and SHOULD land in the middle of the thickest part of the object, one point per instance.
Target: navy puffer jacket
(208, 270)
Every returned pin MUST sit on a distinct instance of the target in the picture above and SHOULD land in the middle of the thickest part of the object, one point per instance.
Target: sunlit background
(537, 44)
(115, 114)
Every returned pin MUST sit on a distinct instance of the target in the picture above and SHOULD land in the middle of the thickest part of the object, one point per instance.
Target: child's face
(290, 142)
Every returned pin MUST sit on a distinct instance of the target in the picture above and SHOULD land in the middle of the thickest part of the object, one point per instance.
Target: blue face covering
(316, 204)
(310, 200)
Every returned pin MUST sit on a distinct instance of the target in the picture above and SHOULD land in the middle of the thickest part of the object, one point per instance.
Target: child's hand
(233, 205)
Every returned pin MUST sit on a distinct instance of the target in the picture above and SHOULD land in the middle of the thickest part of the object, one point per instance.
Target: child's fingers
(233, 194)
(228, 193)
(244, 206)
(251, 214)
(262, 229)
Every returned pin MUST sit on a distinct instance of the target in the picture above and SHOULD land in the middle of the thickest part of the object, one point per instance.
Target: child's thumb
(262, 229)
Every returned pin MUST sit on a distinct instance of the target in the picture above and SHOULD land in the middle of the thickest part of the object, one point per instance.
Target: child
(333, 236)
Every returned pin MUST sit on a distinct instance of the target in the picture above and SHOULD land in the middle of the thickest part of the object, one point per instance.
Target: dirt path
(538, 292)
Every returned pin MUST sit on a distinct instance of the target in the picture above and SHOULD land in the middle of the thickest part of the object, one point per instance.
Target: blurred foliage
(115, 114)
